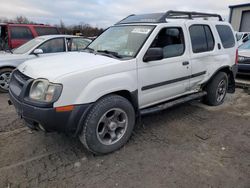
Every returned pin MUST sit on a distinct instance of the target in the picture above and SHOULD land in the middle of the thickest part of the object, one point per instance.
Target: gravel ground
(192, 145)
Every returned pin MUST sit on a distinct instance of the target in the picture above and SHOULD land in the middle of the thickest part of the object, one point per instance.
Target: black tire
(216, 90)
(3, 82)
(90, 135)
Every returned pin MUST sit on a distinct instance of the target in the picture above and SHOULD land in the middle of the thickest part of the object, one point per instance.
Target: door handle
(185, 63)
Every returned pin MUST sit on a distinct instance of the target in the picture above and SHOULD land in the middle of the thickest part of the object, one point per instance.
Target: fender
(231, 71)
(108, 84)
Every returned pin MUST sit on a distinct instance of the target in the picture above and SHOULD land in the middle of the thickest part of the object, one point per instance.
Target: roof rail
(161, 17)
(187, 15)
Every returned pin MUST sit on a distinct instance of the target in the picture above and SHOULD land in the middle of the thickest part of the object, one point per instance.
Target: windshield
(28, 46)
(245, 46)
(123, 41)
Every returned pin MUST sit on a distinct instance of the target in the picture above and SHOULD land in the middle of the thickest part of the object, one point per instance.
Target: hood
(59, 65)
(245, 53)
(11, 57)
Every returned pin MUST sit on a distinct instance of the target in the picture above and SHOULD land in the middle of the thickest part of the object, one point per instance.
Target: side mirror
(153, 54)
(38, 51)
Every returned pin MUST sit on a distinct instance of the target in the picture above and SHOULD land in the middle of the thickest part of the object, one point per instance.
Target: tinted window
(226, 36)
(201, 38)
(46, 31)
(171, 40)
(210, 39)
(53, 46)
(21, 33)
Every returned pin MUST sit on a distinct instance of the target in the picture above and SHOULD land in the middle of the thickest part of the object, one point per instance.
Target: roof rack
(161, 17)
(188, 15)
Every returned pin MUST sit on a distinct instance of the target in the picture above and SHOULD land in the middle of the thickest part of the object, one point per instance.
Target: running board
(172, 103)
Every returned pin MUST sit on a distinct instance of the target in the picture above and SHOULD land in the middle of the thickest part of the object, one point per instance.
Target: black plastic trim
(172, 81)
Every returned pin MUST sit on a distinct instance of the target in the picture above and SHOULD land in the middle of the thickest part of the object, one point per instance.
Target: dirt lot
(187, 146)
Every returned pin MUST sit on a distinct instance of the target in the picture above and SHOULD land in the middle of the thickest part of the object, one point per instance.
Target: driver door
(169, 77)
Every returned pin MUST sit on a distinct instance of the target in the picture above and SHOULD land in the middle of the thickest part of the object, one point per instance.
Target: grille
(17, 82)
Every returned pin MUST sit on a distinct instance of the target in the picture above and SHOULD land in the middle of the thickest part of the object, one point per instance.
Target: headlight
(44, 91)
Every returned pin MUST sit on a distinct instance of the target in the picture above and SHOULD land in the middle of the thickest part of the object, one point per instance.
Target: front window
(53, 46)
(122, 41)
(28, 46)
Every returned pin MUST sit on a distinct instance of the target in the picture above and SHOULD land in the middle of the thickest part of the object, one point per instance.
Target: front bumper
(244, 68)
(48, 118)
(44, 116)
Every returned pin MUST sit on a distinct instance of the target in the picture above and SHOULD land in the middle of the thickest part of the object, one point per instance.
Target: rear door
(203, 50)
(18, 35)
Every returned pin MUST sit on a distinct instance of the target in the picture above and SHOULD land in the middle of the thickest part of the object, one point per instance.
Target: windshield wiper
(110, 53)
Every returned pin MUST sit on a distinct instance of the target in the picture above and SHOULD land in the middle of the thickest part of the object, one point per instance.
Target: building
(240, 17)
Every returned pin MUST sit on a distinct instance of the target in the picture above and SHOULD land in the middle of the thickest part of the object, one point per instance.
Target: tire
(108, 125)
(5, 74)
(216, 89)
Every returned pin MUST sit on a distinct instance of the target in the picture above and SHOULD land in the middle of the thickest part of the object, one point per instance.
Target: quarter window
(226, 36)
(171, 40)
(21, 33)
(201, 38)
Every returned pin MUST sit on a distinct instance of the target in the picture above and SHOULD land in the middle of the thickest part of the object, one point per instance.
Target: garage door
(245, 22)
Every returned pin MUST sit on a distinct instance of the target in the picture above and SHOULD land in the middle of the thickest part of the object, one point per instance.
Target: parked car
(244, 59)
(143, 64)
(242, 37)
(39, 47)
(14, 35)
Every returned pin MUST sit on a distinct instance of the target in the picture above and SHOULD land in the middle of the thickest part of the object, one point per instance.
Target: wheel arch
(132, 97)
(230, 74)
(7, 67)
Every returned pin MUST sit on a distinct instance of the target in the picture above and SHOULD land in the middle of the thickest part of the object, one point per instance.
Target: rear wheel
(5, 74)
(217, 89)
(108, 125)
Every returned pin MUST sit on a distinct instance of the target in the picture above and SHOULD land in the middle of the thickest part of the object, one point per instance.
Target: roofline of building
(240, 5)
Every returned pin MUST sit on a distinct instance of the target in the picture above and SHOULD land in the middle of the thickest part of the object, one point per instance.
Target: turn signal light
(64, 108)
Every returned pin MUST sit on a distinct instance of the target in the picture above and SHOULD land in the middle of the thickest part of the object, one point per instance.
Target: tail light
(237, 56)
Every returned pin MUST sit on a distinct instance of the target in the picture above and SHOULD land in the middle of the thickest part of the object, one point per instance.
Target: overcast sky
(103, 13)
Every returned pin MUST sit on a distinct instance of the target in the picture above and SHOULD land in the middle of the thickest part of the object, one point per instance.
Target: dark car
(244, 59)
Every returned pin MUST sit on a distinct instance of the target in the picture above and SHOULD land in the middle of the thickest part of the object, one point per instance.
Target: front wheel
(5, 74)
(217, 89)
(108, 125)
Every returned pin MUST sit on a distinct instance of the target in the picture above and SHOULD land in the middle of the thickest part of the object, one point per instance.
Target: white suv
(143, 64)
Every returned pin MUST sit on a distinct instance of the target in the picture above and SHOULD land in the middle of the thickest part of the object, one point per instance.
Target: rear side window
(21, 33)
(226, 36)
(201, 38)
(46, 31)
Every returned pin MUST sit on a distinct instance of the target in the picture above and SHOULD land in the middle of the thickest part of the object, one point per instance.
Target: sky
(103, 13)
